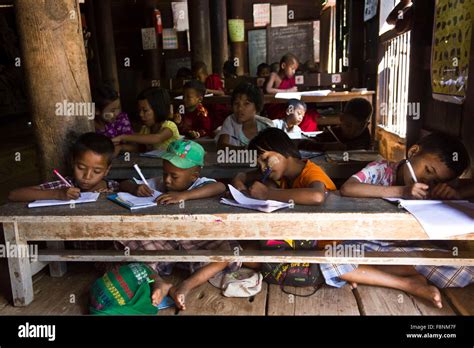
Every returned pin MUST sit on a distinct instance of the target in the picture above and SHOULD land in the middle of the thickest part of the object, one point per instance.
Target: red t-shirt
(197, 120)
(217, 112)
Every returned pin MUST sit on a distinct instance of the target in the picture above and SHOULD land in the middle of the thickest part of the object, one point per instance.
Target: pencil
(334, 135)
(412, 172)
(266, 174)
(137, 168)
(67, 183)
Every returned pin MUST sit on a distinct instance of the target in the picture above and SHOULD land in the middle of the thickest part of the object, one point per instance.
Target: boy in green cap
(182, 164)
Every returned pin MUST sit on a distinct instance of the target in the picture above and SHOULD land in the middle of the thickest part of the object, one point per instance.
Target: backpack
(292, 274)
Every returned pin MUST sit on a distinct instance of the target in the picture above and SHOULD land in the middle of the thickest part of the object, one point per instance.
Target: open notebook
(241, 200)
(441, 219)
(86, 197)
(132, 202)
(298, 95)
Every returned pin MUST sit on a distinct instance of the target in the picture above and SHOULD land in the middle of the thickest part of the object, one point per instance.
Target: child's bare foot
(418, 286)
(179, 293)
(160, 291)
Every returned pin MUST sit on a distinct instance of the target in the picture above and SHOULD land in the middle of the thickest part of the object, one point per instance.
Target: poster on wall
(261, 15)
(149, 39)
(180, 15)
(451, 50)
(236, 29)
(170, 39)
(279, 16)
(370, 9)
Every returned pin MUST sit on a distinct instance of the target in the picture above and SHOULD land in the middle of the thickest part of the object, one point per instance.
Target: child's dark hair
(159, 100)
(450, 150)
(274, 139)
(198, 86)
(359, 108)
(253, 93)
(104, 95)
(263, 66)
(288, 59)
(184, 73)
(296, 103)
(94, 142)
(229, 68)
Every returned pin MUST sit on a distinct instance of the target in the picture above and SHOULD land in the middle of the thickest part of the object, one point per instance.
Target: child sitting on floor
(157, 131)
(91, 159)
(195, 122)
(109, 119)
(244, 124)
(294, 115)
(433, 164)
(182, 164)
(352, 134)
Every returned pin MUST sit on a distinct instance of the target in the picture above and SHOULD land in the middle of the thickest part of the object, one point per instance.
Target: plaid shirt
(58, 184)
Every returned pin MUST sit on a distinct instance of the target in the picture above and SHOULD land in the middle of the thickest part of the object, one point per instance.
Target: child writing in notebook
(157, 131)
(435, 160)
(282, 174)
(295, 112)
(195, 122)
(352, 134)
(182, 164)
(244, 124)
(91, 160)
(284, 80)
(109, 119)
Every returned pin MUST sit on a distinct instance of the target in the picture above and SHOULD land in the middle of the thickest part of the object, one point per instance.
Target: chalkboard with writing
(257, 49)
(296, 38)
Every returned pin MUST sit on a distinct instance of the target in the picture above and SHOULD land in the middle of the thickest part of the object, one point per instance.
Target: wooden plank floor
(71, 298)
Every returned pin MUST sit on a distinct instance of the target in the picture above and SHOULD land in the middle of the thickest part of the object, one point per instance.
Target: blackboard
(257, 49)
(296, 38)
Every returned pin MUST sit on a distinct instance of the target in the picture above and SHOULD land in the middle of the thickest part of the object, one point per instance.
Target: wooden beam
(200, 31)
(220, 46)
(317, 256)
(55, 71)
(105, 31)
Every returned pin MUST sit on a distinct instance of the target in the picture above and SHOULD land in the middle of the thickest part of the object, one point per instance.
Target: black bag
(292, 274)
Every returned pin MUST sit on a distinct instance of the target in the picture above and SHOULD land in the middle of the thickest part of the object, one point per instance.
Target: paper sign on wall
(149, 39)
(370, 9)
(279, 16)
(236, 30)
(170, 39)
(180, 15)
(261, 15)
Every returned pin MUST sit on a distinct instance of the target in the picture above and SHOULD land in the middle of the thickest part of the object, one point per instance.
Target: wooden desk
(339, 218)
(330, 98)
(153, 167)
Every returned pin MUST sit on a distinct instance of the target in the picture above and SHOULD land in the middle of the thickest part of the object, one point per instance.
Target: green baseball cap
(185, 154)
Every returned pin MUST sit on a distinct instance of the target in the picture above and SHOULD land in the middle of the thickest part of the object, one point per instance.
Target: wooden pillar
(55, 70)
(105, 33)
(153, 58)
(220, 46)
(238, 49)
(200, 31)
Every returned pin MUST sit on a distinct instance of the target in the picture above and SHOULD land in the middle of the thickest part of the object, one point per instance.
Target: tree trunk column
(220, 46)
(153, 58)
(238, 48)
(200, 31)
(54, 62)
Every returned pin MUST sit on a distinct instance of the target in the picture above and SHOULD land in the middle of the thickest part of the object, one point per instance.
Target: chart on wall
(451, 49)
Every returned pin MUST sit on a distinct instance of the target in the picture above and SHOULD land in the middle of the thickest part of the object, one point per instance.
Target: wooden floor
(69, 296)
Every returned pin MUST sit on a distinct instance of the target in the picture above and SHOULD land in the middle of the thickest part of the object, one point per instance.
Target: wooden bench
(339, 218)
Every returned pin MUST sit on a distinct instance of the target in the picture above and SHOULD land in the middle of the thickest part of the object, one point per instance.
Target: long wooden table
(339, 218)
(122, 168)
(332, 97)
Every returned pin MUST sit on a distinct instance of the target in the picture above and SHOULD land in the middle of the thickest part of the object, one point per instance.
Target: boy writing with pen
(91, 160)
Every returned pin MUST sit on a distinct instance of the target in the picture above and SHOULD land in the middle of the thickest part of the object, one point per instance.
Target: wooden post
(56, 77)
(105, 33)
(238, 48)
(220, 46)
(153, 58)
(200, 31)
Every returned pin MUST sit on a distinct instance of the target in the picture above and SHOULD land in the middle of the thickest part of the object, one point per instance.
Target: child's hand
(68, 193)
(194, 134)
(171, 197)
(117, 140)
(258, 190)
(293, 89)
(444, 191)
(416, 191)
(143, 191)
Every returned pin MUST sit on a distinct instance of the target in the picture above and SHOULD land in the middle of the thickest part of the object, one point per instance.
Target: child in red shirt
(195, 122)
